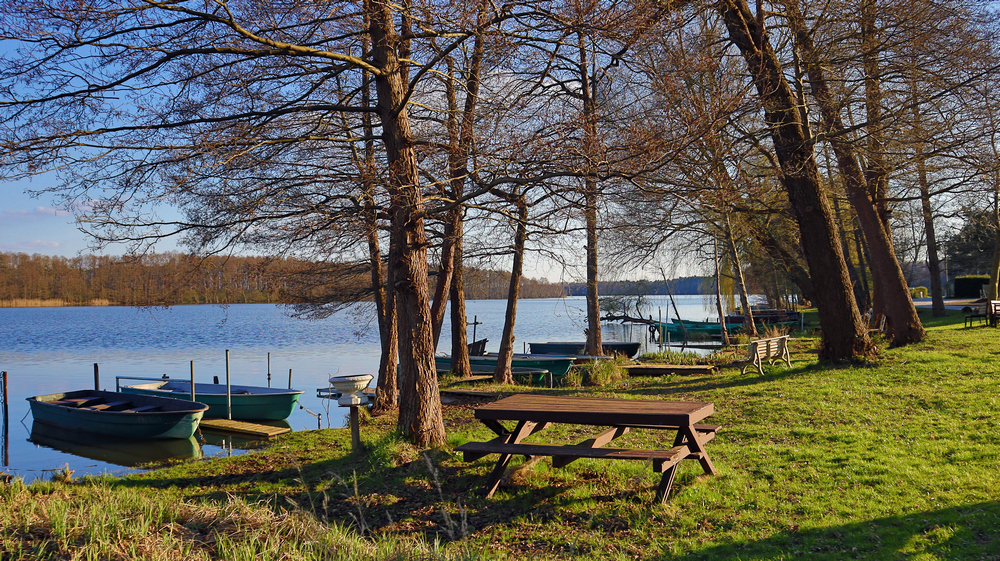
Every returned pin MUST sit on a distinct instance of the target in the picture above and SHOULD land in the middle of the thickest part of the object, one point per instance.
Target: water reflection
(117, 451)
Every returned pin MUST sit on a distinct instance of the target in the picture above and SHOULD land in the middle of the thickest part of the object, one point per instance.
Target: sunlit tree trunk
(741, 283)
(420, 418)
(891, 288)
(844, 334)
(502, 373)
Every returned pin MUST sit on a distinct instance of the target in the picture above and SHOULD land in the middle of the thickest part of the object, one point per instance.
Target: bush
(970, 286)
(600, 373)
(918, 292)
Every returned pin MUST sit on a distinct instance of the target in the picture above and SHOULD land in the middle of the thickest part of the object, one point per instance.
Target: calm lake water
(50, 350)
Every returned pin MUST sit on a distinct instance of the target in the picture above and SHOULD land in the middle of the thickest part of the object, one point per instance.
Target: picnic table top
(595, 411)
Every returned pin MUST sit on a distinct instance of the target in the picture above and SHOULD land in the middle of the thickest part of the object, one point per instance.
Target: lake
(51, 350)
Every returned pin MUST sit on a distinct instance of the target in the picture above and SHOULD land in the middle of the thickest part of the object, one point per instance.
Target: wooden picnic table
(533, 413)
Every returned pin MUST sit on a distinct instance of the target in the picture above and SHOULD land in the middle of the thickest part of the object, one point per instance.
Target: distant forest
(684, 285)
(174, 278)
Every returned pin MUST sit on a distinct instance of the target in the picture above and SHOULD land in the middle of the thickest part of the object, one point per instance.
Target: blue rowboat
(117, 414)
(557, 365)
(248, 402)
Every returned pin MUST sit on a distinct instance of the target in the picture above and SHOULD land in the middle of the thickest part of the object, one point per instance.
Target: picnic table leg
(667, 479)
(523, 429)
(689, 436)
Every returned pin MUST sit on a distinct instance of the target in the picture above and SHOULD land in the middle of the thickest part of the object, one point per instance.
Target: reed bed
(50, 303)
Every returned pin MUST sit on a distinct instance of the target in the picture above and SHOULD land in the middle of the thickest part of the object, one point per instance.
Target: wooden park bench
(987, 311)
(771, 349)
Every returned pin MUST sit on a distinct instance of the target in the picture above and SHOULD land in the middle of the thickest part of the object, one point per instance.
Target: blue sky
(34, 225)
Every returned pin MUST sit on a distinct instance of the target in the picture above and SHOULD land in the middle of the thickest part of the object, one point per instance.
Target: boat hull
(629, 349)
(174, 418)
(248, 402)
(557, 365)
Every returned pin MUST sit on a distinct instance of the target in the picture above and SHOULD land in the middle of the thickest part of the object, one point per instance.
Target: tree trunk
(992, 289)
(387, 386)
(891, 288)
(502, 374)
(420, 418)
(718, 292)
(844, 334)
(933, 262)
(749, 327)
(387, 396)
(459, 339)
(590, 194)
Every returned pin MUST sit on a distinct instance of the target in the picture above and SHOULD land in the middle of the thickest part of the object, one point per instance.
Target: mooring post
(97, 378)
(229, 391)
(192, 381)
(6, 424)
(3, 379)
(269, 370)
(289, 378)
(355, 430)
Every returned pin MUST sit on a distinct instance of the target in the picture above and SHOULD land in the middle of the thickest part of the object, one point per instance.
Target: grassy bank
(891, 460)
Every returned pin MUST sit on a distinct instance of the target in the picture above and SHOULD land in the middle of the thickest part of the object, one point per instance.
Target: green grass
(896, 459)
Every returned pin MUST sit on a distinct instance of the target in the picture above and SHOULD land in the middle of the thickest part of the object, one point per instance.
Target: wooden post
(355, 430)
(6, 423)
(4, 381)
(192, 381)
(97, 379)
(229, 391)
(269, 370)
(289, 378)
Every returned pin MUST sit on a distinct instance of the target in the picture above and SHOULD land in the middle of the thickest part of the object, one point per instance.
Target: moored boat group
(105, 422)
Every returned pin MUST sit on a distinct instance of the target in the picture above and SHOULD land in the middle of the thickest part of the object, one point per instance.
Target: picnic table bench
(533, 413)
(771, 349)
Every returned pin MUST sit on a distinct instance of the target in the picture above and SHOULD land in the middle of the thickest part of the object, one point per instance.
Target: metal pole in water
(229, 391)
(192, 381)
(97, 378)
(269, 370)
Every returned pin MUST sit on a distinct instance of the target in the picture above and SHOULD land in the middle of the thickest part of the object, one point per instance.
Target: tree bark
(891, 288)
(844, 334)
(718, 292)
(590, 194)
(933, 262)
(387, 386)
(749, 327)
(420, 419)
(502, 373)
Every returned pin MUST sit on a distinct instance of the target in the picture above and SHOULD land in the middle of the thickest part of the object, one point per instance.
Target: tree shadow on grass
(963, 532)
(406, 498)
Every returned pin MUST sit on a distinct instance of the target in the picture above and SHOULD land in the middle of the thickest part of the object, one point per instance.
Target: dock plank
(243, 427)
(664, 369)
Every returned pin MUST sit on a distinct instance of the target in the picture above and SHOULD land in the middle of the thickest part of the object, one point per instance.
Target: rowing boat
(117, 414)
(248, 402)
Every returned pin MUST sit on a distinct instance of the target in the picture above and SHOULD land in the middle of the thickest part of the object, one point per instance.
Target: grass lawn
(896, 459)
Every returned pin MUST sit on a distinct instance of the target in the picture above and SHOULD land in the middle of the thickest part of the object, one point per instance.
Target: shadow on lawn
(405, 498)
(965, 532)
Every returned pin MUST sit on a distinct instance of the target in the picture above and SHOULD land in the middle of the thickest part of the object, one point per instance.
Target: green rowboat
(119, 415)
(248, 402)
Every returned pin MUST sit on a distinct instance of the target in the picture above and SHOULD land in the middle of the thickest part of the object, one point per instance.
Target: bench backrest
(768, 347)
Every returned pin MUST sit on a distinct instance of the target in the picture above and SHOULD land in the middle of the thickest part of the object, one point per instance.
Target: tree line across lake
(175, 278)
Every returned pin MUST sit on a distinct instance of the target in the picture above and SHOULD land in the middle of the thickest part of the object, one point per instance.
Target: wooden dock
(243, 428)
(664, 369)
